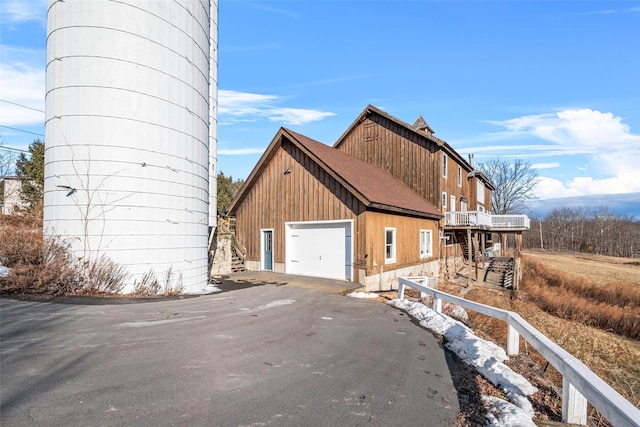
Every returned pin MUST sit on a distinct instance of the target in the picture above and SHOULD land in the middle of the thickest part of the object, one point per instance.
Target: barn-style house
(369, 209)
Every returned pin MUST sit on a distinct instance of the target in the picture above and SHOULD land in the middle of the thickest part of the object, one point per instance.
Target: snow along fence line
(579, 384)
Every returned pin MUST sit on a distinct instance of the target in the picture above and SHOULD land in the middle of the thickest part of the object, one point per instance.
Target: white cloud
(296, 116)
(550, 165)
(237, 107)
(601, 135)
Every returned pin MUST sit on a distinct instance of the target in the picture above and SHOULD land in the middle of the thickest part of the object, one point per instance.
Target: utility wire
(2, 147)
(21, 130)
(20, 105)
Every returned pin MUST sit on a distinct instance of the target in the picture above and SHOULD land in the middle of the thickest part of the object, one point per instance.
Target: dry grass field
(603, 269)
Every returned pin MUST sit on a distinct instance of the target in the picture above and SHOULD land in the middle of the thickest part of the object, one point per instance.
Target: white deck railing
(477, 218)
(579, 384)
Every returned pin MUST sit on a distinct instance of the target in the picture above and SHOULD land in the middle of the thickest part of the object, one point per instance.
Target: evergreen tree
(30, 170)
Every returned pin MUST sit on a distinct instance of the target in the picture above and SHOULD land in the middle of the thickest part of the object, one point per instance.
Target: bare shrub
(148, 285)
(102, 276)
(38, 264)
(169, 287)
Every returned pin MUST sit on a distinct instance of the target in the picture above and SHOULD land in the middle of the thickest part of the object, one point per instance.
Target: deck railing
(483, 219)
(579, 384)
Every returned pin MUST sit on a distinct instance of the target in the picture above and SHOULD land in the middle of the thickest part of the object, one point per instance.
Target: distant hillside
(621, 204)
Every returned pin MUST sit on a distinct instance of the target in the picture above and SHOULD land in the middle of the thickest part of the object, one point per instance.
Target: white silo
(129, 153)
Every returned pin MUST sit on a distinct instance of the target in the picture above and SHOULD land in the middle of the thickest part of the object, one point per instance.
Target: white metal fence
(579, 384)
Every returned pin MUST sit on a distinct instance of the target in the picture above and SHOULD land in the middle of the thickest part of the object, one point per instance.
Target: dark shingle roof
(380, 189)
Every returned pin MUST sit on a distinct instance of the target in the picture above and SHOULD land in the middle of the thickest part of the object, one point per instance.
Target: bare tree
(514, 184)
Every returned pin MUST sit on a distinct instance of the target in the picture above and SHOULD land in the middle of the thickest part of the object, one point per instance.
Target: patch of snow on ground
(4, 271)
(357, 294)
(209, 289)
(486, 357)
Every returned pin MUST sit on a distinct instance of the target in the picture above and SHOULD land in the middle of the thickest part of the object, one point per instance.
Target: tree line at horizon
(595, 230)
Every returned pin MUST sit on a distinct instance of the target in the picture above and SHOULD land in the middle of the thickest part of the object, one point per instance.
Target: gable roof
(374, 187)
(418, 129)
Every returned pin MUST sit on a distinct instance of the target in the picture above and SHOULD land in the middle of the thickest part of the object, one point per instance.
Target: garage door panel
(319, 249)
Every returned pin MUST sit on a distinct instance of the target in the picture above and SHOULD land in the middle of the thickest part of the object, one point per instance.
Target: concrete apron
(270, 277)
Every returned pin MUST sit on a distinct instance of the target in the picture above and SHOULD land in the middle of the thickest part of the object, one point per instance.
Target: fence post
(400, 290)
(574, 405)
(437, 304)
(513, 341)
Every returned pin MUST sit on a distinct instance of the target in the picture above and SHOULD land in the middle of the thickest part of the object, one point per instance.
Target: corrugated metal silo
(129, 150)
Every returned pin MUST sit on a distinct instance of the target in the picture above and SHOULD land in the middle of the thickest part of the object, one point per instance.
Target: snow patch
(4, 271)
(357, 294)
(486, 357)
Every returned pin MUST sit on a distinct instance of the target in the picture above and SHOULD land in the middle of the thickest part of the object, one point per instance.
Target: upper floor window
(480, 191)
(425, 244)
(445, 160)
(389, 245)
(452, 205)
(444, 200)
(459, 176)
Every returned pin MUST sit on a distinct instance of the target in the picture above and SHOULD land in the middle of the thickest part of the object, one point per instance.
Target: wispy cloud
(237, 107)
(19, 11)
(239, 151)
(23, 83)
(550, 165)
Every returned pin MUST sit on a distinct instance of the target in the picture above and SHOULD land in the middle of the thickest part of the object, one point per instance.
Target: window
(425, 244)
(452, 207)
(449, 239)
(444, 200)
(444, 164)
(463, 205)
(480, 208)
(480, 190)
(389, 245)
(459, 176)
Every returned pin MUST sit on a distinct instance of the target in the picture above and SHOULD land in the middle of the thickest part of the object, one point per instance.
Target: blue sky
(554, 83)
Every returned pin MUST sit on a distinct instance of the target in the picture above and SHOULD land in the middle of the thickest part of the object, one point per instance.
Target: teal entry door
(267, 253)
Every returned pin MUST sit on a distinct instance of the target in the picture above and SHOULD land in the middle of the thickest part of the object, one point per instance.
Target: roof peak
(421, 124)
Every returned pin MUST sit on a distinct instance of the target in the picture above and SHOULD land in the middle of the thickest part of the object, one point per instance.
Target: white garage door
(320, 249)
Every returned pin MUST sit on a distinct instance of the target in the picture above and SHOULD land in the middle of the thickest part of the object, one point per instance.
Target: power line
(20, 105)
(21, 130)
(2, 147)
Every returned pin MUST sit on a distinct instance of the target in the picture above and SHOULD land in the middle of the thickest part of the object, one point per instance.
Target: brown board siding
(308, 193)
(407, 241)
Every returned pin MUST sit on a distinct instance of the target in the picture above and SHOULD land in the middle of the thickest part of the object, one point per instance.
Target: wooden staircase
(500, 272)
(461, 238)
(238, 251)
(237, 259)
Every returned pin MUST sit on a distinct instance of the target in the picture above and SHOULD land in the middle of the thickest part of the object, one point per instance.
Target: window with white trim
(452, 205)
(389, 245)
(425, 244)
(444, 200)
(480, 190)
(459, 176)
(445, 160)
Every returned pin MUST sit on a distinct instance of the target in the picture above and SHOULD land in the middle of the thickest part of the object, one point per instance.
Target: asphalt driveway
(257, 353)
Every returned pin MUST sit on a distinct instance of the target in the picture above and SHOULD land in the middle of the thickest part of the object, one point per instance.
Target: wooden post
(517, 262)
(469, 249)
(574, 405)
(483, 244)
(475, 250)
